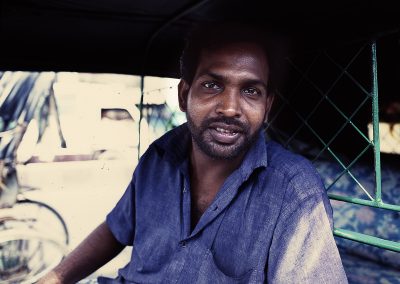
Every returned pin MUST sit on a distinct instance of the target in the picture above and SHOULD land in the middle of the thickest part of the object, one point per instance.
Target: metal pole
(141, 113)
(375, 125)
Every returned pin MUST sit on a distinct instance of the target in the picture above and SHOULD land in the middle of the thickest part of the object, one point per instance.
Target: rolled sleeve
(121, 219)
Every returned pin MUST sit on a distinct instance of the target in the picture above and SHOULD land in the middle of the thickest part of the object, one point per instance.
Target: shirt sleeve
(303, 249)
(121, 219)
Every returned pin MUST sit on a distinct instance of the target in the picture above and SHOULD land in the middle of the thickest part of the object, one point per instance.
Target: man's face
(227, 102)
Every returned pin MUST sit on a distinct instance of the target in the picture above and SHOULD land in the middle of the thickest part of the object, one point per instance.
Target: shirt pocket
(211, 273)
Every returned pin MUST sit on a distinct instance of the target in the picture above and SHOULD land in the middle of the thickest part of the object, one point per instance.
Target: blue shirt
(271, 221)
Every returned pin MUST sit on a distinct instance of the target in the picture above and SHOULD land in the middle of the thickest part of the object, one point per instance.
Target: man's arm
(304, 250)
(95, 251)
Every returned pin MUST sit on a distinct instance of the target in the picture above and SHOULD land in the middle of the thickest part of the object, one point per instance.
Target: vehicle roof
(146, 37)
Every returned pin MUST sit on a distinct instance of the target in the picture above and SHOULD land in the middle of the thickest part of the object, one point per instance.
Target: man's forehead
(242, 56)
(235, 46)
(222, 51)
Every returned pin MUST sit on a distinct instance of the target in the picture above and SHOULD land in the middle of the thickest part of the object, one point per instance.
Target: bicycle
(33, 235)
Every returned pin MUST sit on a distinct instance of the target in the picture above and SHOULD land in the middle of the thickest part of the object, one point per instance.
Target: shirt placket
(178, 260)
(186, 204)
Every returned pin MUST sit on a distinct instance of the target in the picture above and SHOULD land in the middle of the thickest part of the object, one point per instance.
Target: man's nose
(229, 103)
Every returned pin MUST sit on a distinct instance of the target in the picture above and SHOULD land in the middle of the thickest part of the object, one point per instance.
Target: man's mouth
(224, 133)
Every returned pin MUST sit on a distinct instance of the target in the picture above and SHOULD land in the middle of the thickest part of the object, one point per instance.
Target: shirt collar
(175, 144)
(256, 156)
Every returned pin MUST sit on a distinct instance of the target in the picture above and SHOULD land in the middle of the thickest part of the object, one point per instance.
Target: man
(211, 201)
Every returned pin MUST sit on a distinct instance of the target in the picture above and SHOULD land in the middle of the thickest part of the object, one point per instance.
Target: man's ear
(183, 91)
(270, 101)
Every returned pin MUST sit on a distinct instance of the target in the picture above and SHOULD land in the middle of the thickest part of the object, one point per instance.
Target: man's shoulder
(297, 169)
(285, 160)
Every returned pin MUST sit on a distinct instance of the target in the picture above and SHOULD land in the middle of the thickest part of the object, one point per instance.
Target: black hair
(215, 35)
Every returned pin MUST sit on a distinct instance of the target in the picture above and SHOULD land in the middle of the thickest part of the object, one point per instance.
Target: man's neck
(205, 168)
(207, 176)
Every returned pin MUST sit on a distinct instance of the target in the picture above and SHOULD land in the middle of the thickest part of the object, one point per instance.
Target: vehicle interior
(338, 105)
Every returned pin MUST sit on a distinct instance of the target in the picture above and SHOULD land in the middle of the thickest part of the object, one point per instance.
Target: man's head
(212, 36)
(226, 89)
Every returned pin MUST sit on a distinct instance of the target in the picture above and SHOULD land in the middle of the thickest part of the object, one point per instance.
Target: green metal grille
(332, 97)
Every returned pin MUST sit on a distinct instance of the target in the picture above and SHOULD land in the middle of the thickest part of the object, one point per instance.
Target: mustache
(226, 120)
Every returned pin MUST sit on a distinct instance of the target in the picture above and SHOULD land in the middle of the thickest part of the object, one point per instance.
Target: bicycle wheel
(59, 219)
(33, 239)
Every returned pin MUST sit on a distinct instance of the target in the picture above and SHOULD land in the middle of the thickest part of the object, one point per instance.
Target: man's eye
(252, 92)
(210, 85)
